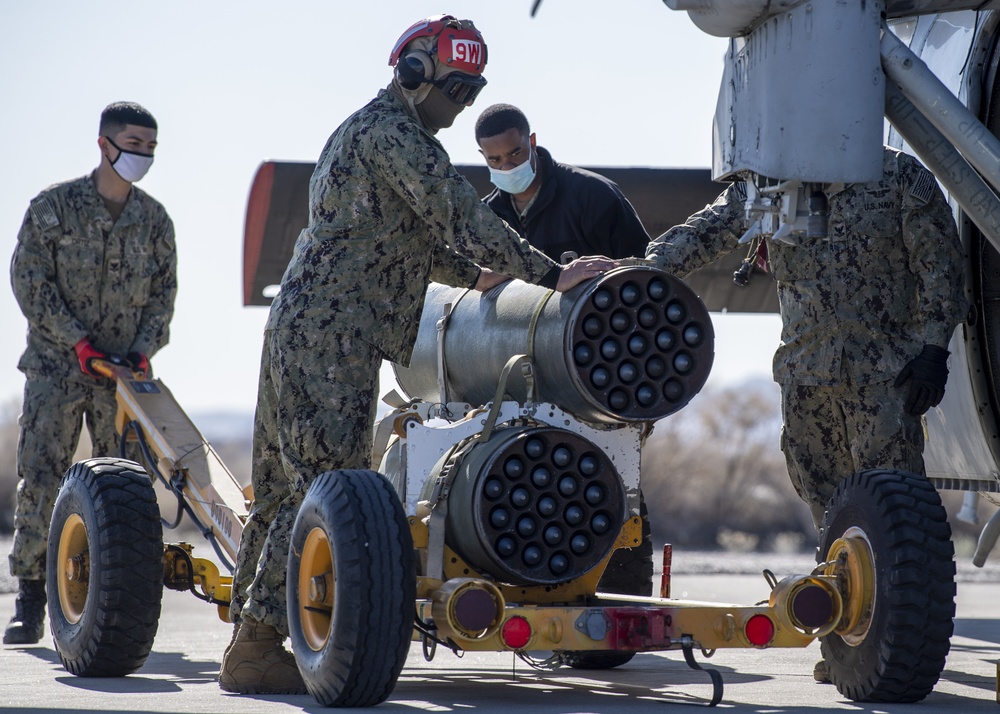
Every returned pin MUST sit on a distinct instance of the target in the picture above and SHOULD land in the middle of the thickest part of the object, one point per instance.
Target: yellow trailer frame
(189, 467)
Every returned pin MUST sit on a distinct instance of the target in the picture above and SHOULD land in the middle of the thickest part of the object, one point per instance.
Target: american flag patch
(923, 187)
(43, 214)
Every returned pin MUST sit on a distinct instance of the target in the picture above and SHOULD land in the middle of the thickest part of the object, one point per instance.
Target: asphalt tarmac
(180, 674)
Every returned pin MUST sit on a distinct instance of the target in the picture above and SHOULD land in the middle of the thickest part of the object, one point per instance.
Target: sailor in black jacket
(557, 208)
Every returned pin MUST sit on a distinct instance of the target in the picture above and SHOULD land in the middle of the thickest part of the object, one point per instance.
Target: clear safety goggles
(461, 88)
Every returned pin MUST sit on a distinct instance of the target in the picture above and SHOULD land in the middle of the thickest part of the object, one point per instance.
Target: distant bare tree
(712, 474)
(9, 412)
(235, 453)
(715, 467)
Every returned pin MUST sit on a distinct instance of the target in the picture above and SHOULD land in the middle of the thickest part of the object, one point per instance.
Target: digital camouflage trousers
(52, 415)
(829, 433)
(315, 411)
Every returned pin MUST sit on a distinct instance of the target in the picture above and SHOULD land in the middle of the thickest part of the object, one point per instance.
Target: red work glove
(86, 353)
(139, 362)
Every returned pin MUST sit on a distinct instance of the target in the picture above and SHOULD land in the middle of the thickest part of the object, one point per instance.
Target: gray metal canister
(633, 345)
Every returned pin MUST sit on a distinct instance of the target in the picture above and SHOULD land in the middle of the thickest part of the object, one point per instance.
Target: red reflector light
(516, 632)
(759, 630)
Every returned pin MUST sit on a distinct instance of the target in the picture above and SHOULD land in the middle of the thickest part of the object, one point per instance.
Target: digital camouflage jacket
(388, 212)
(858, 305)
(77, 273)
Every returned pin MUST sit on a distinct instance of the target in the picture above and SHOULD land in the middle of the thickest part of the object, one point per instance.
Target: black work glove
(927, 374)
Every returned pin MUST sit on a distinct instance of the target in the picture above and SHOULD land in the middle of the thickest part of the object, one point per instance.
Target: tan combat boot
(256, 663)
(821, 672)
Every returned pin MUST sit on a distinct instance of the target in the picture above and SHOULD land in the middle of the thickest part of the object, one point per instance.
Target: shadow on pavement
(978, 629)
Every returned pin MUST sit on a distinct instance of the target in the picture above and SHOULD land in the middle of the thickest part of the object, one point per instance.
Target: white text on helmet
(468, 51)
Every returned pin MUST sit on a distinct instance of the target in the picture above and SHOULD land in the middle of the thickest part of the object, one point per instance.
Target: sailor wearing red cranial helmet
(439, 66)
(388, 213)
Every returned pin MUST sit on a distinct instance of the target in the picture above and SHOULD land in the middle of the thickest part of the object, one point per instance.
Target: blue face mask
(515, 180)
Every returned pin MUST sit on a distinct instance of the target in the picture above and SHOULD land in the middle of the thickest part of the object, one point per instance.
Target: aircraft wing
(277, 210)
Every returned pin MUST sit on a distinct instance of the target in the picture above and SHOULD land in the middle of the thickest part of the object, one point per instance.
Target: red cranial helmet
(453, 59)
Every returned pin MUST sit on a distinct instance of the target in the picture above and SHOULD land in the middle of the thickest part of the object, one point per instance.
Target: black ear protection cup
(414, 68)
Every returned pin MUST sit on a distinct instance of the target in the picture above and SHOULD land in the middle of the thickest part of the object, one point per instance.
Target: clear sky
(604, 83)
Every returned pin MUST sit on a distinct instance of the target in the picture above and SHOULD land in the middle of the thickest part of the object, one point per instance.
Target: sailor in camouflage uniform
(867, 315)
(94, 273)
(387, 213)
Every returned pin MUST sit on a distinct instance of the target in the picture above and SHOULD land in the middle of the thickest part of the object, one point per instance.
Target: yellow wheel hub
(74, 569)
(851, 561)
(316, 585)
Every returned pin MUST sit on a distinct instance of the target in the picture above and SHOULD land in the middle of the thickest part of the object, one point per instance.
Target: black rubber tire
(630, 572)
(901, 655)
(116, 610)
(360, 658)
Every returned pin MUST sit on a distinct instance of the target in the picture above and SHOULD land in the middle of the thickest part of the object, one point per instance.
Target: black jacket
(575, 210)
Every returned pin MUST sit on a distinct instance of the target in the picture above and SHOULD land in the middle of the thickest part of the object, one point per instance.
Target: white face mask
(515, 180)
(130, 165)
